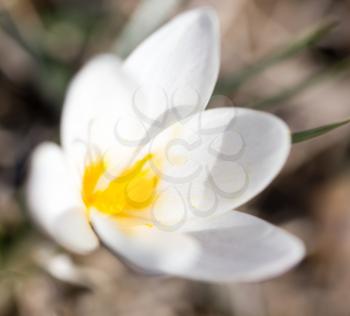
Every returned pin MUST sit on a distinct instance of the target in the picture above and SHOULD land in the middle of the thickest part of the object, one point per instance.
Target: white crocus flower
(146, 172)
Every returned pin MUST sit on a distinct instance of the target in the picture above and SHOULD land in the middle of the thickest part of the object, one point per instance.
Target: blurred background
(290, 57)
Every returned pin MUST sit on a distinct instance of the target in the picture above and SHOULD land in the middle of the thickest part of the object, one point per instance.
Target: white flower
(149, 174)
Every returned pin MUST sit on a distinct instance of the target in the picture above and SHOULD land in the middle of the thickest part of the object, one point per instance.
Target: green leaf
(302, 136)
(306, 40)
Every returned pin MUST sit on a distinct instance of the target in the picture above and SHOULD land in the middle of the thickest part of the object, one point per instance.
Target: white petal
(144, 248)
(221, 158)
(177, 66)
(99, 99)
(62, 268)
(256, 145)
(51, 194)
(168, 212)
(239, 247)
(73, 231)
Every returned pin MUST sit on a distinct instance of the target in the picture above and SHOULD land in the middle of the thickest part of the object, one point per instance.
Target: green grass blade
(307, 40)
(302, 136)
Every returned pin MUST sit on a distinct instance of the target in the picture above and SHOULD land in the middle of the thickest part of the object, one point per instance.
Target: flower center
(132, 191)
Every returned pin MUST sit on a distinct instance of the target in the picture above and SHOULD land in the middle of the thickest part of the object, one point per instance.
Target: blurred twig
(338, 69)
(7, 24)
(39, 56)
(53, 73)
(301, 136)
(307, 40)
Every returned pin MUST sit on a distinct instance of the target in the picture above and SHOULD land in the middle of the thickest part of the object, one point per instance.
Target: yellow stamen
(132, 191)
